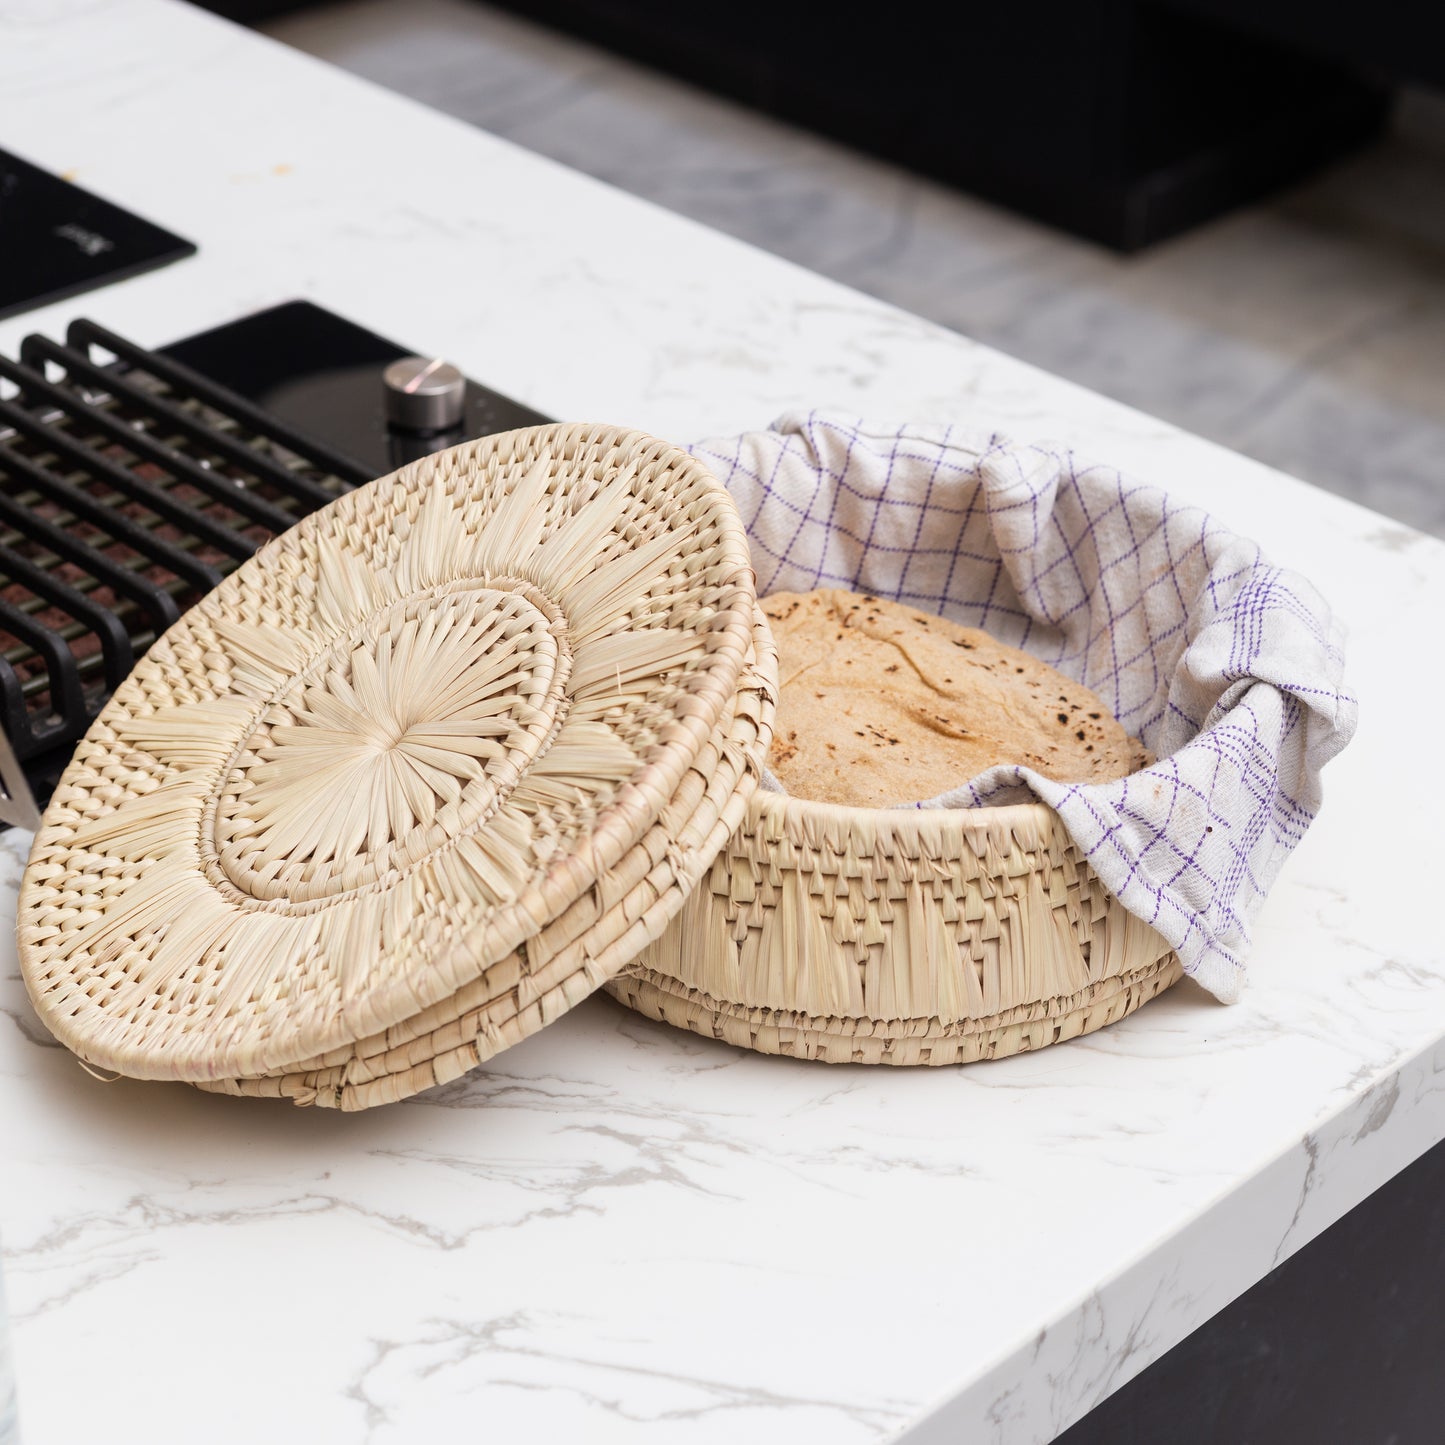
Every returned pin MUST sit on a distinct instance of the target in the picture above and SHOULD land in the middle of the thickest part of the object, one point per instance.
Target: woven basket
(900, 936)
(415, 779)
(874, 936)
(481, 738)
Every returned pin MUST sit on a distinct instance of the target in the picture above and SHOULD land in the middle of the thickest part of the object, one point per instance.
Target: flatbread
(883, 704)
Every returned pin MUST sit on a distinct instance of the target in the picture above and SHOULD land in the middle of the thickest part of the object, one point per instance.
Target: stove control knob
(424, 396)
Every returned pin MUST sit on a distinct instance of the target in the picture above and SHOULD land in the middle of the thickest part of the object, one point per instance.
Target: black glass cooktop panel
(57, 240)
(322, 374)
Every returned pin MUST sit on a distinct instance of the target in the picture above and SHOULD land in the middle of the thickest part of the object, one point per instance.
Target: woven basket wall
(873, 936)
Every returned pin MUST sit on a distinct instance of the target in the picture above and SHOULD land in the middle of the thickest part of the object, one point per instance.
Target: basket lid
(473, 731)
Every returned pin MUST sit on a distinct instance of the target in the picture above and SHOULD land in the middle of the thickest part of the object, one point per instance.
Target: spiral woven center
(397, 738)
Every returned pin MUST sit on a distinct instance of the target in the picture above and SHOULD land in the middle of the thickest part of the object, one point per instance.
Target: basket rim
(906, 821)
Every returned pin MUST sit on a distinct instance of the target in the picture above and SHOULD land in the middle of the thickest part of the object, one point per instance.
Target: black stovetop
(58, 240)
(132, 481)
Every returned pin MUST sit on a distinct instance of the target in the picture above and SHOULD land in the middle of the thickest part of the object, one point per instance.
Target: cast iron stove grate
(130, 485)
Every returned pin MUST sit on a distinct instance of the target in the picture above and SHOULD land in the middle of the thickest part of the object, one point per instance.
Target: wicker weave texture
(898, 937)
(415, 779)
(471, 742)
(580, 949)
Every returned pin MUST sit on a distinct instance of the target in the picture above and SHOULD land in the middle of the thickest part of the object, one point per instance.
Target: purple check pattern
(1230, 669)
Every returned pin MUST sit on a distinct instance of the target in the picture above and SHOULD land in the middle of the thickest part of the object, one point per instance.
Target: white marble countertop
(616, 1231)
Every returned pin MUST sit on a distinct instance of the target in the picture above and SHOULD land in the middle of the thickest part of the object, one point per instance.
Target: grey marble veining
(1309, 333)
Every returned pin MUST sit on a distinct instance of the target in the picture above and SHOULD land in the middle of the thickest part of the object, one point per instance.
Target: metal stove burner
(132, 481)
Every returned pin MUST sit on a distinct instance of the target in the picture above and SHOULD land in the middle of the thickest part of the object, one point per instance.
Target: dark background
(1121, 121)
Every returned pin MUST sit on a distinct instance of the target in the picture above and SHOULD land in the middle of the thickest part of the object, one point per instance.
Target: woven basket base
(907, 1041)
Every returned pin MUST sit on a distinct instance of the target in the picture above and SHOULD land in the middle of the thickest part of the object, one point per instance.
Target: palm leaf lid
(421, 774)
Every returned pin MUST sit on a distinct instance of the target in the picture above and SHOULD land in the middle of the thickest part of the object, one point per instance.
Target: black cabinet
(1124, 122)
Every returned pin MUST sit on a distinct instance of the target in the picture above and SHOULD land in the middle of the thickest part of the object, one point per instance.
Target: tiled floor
(1309, 332)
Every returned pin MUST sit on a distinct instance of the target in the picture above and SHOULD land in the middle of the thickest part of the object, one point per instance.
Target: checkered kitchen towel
(1228, 668)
